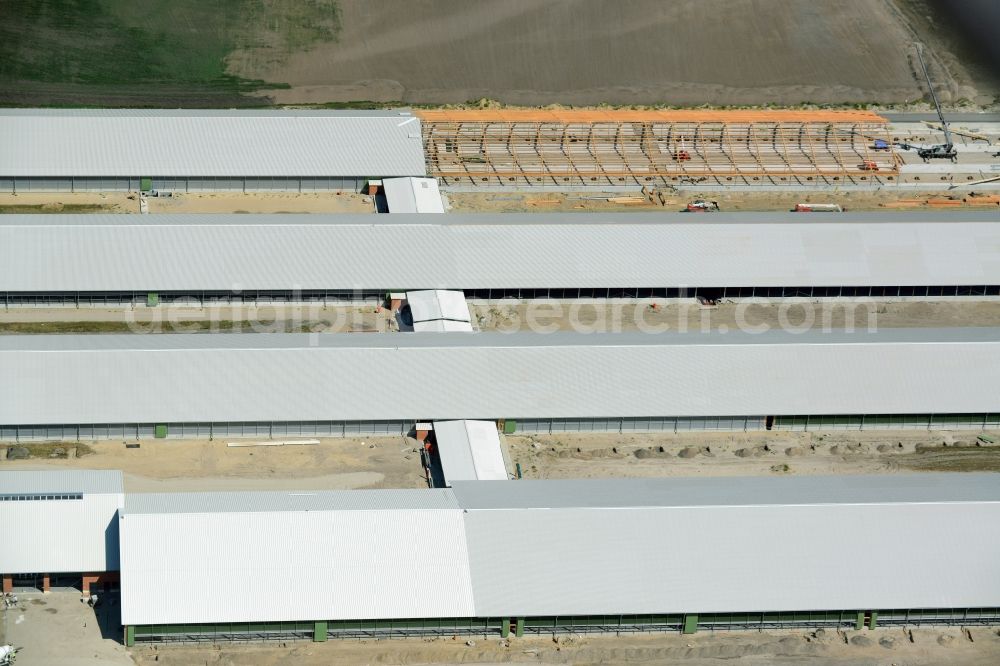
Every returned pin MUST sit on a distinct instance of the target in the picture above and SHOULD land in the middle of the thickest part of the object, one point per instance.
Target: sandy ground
(591, 52)
(202, 465)
(507, 316)
(283, 202)
(391, 462)
(630, 455)
(216, 202)
(57, 629)
(596, 201)
(184, 319)
(888, 646)
(544, 316)
(67, 202)
(539, 201)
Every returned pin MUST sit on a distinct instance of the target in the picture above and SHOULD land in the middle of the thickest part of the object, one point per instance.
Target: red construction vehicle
(681, 155)
(868, 165)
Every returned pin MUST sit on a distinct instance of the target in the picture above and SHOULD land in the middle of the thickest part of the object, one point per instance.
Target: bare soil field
(586, 52)
(232, 53)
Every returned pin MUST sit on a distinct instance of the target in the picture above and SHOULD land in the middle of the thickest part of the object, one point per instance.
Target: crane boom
(937, 105)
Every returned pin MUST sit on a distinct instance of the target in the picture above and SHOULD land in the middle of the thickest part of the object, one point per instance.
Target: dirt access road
(585, 52)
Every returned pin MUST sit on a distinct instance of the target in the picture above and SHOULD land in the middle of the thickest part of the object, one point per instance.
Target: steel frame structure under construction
(665, 147)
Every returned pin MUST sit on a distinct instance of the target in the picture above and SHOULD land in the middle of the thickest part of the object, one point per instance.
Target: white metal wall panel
(734, 559)
(41, 142)
(294, 565)
(262, 377)
(434, 304)
(224, 252)
(57, 536)
(470, 450)
(412, 195)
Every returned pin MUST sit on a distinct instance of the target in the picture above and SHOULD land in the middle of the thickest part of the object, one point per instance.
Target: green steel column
(505, 627)
(129, 636)
(874, 620)
(860, 624)
(519, 627)
(690, 623)
(319, 631)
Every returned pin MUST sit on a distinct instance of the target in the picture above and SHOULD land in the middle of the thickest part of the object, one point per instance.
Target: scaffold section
(627, 148)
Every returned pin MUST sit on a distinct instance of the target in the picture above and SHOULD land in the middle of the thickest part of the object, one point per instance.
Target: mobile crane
(944, 150)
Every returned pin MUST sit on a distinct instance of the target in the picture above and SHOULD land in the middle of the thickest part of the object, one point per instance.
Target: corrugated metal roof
(179, 143)
(294, 565)
(319, 500)
(197, 378)
(731, 545)
(61, 481)
(733, 558)
(469, 450)
(572, 250)
(727, 491)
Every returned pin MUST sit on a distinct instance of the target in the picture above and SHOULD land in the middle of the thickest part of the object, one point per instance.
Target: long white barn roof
(180, 143)
(571, 250)
(693, 545)
(355, 554)
(771, 544)
(306, 377)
